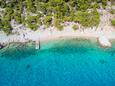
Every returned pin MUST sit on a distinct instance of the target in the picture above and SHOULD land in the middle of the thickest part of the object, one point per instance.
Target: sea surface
(72, 62)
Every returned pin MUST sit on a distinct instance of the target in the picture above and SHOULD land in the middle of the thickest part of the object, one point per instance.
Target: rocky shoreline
(23, 34)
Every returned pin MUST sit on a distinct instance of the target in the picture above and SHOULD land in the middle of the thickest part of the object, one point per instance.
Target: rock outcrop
(104, 41)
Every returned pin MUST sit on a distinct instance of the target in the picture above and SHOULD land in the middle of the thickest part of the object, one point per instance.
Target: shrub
(6, 27)
(87, 19)
(112, 11)
(95, 6)
(75, 27)
(59, 27)
(9, 10)
(33, 27)
(69, 19)
(58, 24)
(2, 4)
(17, 17)
(48, 21)
(113, 22)
(32, 22)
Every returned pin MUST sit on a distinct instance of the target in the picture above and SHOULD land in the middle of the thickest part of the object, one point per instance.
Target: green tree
(113, 22)
(33, 22)
(17, 17)
(48, 21)
(58, 24)
(75, 27)
(6, 27)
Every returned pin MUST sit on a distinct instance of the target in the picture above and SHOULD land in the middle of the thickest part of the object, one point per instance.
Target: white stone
(104, 41)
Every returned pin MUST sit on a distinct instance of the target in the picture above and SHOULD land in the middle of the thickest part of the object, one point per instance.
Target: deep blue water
(75, 62)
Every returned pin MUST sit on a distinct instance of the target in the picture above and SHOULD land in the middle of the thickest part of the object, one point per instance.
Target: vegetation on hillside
(113, 22)
(34, 13)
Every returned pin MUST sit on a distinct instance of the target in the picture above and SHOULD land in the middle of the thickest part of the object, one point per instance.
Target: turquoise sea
(72, 62)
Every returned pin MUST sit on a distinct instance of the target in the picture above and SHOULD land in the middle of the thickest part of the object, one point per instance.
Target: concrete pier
(37, 44)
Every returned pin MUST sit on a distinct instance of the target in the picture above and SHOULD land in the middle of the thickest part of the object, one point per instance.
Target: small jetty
(37, 44)
(104, 41)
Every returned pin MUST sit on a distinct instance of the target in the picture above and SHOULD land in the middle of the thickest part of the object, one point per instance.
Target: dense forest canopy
(33, 13)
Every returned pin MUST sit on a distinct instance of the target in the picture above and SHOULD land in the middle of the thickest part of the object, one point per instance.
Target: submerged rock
(102, 61)
(112, 53)
(28, 66)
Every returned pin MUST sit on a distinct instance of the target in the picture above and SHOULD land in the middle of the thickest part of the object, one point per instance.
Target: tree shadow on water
(18, 51)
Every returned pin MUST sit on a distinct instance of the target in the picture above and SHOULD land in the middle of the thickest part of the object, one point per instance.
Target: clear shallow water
(58, 63)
